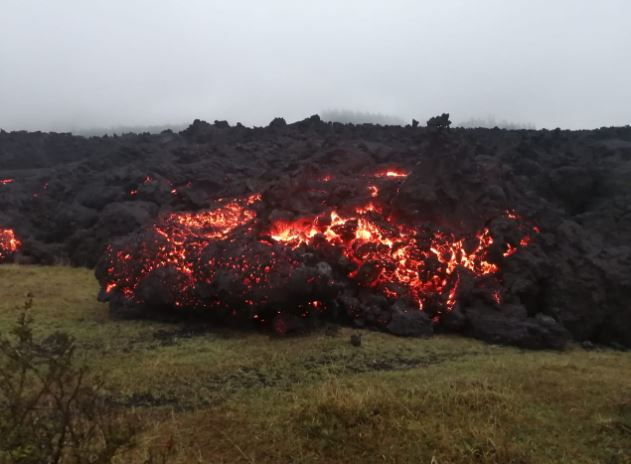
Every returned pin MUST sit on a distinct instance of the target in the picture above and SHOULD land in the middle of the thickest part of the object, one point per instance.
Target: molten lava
(9, 244)
(392, 173)
(236, 260)
(393, 258)
(176, 242)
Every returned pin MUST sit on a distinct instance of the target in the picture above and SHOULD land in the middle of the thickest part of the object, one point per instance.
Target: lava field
(514, 237)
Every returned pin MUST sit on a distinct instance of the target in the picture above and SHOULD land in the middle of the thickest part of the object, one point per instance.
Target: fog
(73, 64)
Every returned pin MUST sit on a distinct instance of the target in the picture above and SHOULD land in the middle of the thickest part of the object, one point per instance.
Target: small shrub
(51, 411)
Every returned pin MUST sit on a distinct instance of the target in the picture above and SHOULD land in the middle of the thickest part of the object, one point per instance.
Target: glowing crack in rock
(392, 173)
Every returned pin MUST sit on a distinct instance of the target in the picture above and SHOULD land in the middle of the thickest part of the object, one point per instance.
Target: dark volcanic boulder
(436, 187)
(121, 218)
(409, 322)
(510, 326)
(85, 246)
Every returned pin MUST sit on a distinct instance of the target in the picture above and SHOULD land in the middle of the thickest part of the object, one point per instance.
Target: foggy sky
(73, 64)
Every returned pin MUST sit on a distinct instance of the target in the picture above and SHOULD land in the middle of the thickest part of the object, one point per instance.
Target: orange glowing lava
(178, 241)
(394, 258)
(9, 243)
(511, 215)
(392, 173)
(510, 250)
(240, 259)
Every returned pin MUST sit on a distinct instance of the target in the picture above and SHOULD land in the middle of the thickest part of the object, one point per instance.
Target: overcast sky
(71, 64)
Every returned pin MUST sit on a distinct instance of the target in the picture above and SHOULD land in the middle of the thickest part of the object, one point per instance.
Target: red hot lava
(177, 242)
(9, 244)
(231, 258)
(392, 173)
(393, 258)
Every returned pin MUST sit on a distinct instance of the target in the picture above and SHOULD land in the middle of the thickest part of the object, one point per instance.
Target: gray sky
(77, 64)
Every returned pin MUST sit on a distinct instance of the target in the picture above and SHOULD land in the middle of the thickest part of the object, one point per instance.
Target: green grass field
(225, 396)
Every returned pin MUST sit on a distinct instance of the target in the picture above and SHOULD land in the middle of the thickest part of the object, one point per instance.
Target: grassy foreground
(225, 396)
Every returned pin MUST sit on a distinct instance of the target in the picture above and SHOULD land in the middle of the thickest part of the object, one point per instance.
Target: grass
(224, 396)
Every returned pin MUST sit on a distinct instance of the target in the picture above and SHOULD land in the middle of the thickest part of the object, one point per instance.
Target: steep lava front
(237, 260)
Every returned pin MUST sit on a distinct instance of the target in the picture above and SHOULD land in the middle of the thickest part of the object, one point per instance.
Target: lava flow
(236, 259)
(175, 242)
(395, 259)
(9, 244)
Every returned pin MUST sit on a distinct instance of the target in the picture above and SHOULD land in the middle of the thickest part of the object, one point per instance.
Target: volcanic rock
(409, 322)
(555, 204)
(509, 328)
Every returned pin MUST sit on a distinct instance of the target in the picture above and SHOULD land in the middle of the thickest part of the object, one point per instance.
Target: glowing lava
(9, 244)
(392, 173)
(177, 241)
(231, 259)
(393, 258)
